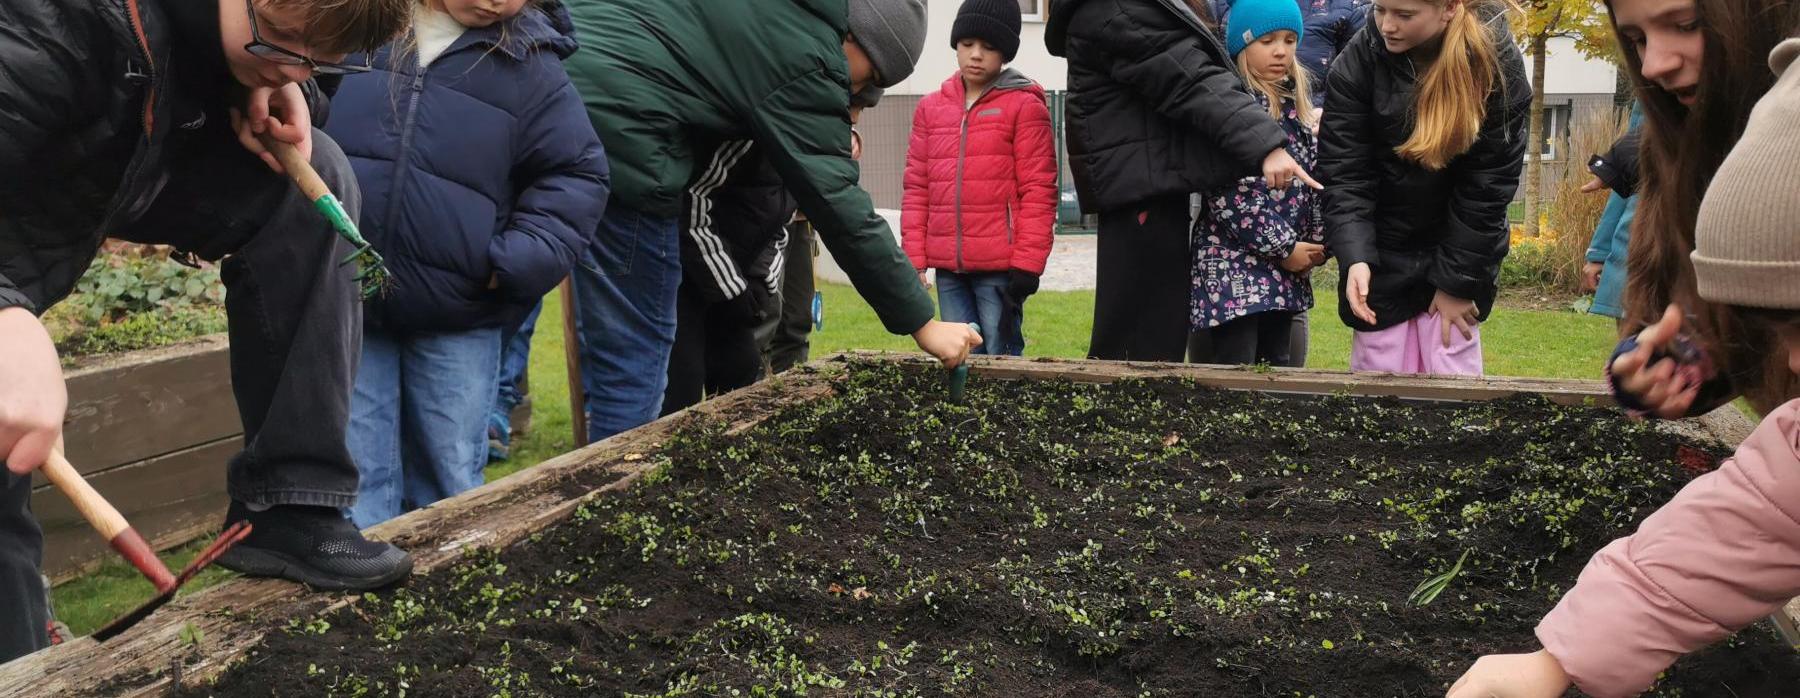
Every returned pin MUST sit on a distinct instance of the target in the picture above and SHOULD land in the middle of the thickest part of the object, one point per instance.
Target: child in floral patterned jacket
(1255, 247)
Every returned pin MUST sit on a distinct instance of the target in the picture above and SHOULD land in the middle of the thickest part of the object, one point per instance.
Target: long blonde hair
(1451, 99)
(1295, 87)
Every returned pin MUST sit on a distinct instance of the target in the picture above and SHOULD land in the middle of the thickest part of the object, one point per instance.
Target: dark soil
(1045, 539)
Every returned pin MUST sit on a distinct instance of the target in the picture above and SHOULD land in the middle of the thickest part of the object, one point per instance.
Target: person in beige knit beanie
(1747, 240)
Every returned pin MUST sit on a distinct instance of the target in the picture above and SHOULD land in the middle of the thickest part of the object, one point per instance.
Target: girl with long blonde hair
(1422, 145)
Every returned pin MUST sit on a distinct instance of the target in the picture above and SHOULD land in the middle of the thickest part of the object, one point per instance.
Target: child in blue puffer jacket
(482, 181)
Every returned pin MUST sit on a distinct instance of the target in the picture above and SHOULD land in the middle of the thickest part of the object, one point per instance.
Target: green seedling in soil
(191, 635)
(1429, 589)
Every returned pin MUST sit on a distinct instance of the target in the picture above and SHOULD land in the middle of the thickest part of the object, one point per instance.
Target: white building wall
(1568, 72)
(939, 60)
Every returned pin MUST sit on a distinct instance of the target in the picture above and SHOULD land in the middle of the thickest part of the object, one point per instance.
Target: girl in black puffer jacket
(1422, 144)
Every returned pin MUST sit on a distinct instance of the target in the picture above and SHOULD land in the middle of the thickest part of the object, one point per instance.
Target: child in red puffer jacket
(981, 180)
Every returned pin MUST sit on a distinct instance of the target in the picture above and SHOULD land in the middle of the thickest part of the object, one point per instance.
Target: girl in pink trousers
(1725, 552)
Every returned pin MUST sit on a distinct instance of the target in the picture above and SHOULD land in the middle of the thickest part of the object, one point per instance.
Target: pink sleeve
(1034, 154)
(915, 204)
(1722, 554)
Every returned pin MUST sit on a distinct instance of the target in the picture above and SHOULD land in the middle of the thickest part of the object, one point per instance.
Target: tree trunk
(1534, 161)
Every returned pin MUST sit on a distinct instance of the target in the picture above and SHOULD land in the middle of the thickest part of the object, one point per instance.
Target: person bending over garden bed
(141, 119)
(664, 79)
(1699, 67)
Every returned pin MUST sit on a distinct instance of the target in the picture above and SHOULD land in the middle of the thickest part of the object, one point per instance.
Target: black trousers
(1200, 344)
(1142, 284)
(785, 334)
(1260, 338)
(715, 351)
(296, 335)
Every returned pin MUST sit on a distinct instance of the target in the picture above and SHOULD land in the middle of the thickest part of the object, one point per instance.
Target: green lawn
(1557, 344)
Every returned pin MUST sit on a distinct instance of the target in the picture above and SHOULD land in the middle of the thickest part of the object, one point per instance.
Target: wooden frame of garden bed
(235, 615)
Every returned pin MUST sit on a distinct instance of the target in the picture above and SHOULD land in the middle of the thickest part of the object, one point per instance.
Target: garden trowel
(958, 378)
(112, 525)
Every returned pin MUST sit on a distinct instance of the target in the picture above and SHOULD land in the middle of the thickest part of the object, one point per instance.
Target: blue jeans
(625, 289)
(515, 362)
(418, 418)
(980, 297)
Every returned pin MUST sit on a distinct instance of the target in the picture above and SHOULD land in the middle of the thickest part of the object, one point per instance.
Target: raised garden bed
(856, 535)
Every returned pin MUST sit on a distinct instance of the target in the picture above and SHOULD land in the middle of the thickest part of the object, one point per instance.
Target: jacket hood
(546, 27)
(1056, 30)
(1009, 79)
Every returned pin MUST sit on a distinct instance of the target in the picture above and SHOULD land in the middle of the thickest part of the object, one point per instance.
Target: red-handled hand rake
(125, 539)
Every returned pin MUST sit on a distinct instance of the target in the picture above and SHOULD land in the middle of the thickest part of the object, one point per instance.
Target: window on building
(1032, 9)
(1556, 129)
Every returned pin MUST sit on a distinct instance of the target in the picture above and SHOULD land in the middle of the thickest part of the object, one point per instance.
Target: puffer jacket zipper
(962, 156)
(402, 158)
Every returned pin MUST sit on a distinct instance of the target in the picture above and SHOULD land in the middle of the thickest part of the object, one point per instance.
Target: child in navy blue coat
(482, 180)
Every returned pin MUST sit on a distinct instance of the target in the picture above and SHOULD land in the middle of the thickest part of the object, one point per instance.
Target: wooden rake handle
(298, 168)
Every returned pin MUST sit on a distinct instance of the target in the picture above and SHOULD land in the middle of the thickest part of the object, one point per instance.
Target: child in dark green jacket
(663, 77)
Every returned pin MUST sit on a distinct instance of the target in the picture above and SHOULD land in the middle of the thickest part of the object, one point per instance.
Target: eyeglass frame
(276, 54)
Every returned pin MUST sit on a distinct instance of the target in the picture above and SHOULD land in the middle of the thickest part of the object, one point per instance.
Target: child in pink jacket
(1725, 552)
(981, 180)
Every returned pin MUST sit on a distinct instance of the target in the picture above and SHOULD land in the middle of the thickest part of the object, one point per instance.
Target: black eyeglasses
(276, 54)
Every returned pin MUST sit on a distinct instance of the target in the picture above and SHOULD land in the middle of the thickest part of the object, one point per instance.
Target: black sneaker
(315, 546)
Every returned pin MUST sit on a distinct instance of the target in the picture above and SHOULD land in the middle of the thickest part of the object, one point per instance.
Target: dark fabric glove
(1618, 167)
(741, 310)
(1020, 285)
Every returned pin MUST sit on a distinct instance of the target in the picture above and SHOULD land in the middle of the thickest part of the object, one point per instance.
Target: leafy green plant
(1429, 589)
(137, 297)
(117, 286)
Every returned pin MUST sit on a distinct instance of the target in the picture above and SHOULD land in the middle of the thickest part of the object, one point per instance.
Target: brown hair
(1294, 87)
(1451, 101)
(1681, 149)
(350, 26)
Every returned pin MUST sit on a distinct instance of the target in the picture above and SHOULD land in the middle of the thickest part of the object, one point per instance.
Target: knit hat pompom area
(997, 22)
(1253, 19)
(892, 33)
(1747, 238)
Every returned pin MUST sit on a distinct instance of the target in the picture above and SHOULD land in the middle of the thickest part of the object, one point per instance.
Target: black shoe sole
(261, 562)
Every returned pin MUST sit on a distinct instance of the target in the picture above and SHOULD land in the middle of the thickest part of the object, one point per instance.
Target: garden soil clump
(1043, 539)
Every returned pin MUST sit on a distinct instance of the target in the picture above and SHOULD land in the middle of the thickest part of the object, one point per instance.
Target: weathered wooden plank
(1279, 380)
(127, 408)
(169, 499)
(235, 615)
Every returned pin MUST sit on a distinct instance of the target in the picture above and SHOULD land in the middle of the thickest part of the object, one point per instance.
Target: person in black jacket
(1422, 145)
(1156, 111)
(140, 119)
(733, 246)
